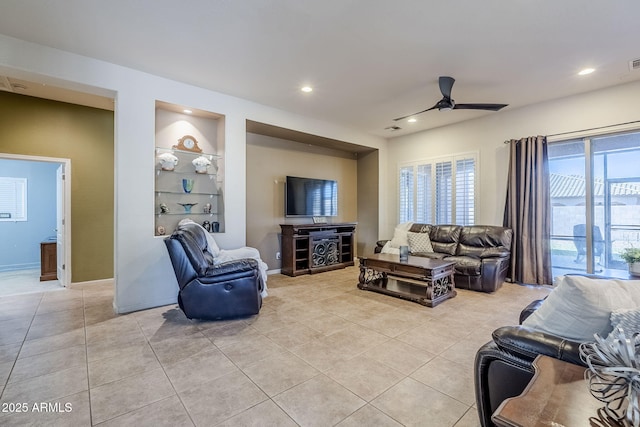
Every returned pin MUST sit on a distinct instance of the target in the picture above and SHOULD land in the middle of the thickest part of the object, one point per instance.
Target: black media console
(313, 248)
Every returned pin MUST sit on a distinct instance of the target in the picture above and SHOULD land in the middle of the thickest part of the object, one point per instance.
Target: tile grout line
(86, 351)
(166, 375)
(21, 345)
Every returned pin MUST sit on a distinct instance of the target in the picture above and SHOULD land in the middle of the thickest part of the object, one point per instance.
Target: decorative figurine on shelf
(207, 208)
(201, 164)
(168, 161)
(160, 230)
(215, 226)
(188, 143)
(164, 208)
(207, 226)
(187, 206)
(187, 185)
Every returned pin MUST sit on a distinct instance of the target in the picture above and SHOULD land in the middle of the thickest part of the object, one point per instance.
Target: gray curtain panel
(528, 210)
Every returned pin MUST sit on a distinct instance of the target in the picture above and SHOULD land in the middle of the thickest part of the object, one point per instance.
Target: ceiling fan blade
(446, 83)
(489, 107)
(415, 114)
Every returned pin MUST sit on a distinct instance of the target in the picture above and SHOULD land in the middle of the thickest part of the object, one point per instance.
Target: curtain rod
(589, 129)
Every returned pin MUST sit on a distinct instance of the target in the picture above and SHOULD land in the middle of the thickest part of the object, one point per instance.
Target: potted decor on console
(632, 257)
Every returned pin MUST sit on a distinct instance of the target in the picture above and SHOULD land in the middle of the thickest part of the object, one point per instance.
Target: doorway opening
(35, 224)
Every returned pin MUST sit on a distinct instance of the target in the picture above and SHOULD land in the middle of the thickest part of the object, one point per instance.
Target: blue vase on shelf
(187, 185)
(187, 206)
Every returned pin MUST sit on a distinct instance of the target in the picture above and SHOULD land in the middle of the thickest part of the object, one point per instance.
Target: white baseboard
(145, 305)
(16, 267)
(275, 271)
(91, 283)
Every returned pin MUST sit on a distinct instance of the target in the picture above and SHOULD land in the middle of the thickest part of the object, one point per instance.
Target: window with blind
(13, 199)
(439, 191)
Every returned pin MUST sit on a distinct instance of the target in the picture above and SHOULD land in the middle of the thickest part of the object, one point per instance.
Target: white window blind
(443, 190)
(444, 193)
(465, 191)
(13, 199)
(406, 194)
(424, 194)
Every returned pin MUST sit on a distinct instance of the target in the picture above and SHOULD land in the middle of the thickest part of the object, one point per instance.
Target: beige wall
(38, 127)
(143, 274)
(269, 161)
(604, 107)
(368, 202)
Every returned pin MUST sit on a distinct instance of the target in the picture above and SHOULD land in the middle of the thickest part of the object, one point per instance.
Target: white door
(60, 223)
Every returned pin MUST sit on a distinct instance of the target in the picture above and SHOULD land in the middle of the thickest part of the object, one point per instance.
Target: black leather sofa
(481, 252)
(503, 366)
(209, 291)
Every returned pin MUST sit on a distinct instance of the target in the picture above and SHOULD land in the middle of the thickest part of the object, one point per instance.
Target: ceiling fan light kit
(448, 104)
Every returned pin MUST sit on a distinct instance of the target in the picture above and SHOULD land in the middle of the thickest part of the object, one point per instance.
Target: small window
(13, 199)
(439, 191)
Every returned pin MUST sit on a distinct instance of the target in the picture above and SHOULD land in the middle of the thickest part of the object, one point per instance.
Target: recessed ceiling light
(412, 120)
(586, 71)
(187, 111)
(306, 89)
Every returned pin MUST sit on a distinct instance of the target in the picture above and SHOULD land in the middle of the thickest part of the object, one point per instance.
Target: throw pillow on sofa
(419, 242)
(400, 235)
(399, 239)
(580, 307)
(627, 319)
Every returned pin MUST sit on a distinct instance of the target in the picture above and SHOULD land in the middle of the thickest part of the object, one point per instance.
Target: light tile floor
(321, 353)
(16, 282)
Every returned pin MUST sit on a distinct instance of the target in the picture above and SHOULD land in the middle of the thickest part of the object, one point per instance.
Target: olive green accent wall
(39, 127)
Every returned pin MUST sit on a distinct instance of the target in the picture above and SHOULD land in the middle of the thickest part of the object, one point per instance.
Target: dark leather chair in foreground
(503, 366)
(209, 291)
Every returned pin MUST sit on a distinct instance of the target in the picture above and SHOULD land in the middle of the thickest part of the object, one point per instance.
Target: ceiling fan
(446, 103)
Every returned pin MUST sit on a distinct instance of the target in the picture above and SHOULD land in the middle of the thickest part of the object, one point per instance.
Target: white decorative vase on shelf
(201, 164)
(634, 268)
(168, 161)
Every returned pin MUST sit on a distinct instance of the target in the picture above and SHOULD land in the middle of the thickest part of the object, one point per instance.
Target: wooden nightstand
(48, 260)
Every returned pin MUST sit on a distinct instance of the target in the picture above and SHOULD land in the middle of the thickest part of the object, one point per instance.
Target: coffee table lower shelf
(406, 290)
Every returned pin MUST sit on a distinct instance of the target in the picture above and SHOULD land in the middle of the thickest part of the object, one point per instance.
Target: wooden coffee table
(422, 280)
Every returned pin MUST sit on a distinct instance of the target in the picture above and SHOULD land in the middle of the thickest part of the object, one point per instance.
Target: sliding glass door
(567, 176)
(595, 199)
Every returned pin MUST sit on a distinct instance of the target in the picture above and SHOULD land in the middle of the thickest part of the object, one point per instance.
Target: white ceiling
(368, 60)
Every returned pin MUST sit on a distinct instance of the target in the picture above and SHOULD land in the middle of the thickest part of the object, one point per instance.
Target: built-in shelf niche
(183, 192)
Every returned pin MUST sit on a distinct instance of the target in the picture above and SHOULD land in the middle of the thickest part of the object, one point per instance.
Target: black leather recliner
(503, 366)
(208, 291)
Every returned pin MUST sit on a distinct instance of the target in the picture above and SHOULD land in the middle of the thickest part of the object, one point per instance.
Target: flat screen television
(310, 197)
